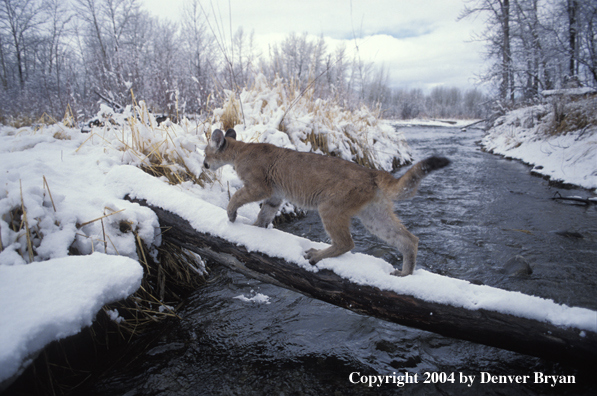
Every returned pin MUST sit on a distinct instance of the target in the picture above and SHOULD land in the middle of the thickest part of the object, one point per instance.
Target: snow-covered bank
(46, 301)
(526, 134)
(52, 203)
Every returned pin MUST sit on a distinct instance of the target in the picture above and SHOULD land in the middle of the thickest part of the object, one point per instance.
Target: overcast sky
(420, 42)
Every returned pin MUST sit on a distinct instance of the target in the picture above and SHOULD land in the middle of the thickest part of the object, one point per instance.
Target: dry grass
(19, 121)
(330, 125)
(18, 222)
(175, 273)
(353, 131)
(572, 115)
(231, 114)
(152, 146)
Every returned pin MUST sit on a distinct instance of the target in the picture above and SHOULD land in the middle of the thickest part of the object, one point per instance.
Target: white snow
(569, 91)
(46, 301)
(422, 122)
(571, 157)
(56, 295)
(258, 298)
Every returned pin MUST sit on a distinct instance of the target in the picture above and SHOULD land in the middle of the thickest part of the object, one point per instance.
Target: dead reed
(573, 115)
(323, 124)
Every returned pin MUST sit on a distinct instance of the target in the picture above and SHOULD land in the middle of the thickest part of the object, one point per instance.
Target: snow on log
(581, 91)
(484, 326)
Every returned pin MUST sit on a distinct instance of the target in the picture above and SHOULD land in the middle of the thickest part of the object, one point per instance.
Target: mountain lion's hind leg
(381, 221)
(338, 228)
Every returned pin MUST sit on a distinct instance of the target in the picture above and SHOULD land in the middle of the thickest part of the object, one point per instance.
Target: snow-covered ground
(524, 134)
(63, 194)
(58, 178)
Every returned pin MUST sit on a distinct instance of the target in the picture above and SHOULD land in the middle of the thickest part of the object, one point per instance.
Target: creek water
(471, 218)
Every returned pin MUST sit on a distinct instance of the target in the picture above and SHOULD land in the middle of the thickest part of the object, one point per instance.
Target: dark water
(471, 218)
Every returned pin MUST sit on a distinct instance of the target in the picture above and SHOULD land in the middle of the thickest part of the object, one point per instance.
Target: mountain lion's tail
(406, 186)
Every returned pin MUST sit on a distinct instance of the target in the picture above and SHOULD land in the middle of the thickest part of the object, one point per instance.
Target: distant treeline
(57, 54)
(441, 102)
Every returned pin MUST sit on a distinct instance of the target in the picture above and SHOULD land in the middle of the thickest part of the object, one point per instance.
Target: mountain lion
(337, 188)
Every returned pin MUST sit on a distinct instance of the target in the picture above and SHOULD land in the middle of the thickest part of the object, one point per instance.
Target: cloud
(419, 42)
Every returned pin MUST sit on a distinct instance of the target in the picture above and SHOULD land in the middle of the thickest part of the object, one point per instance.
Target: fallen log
(522, 335)
(585, 201)
(470, 125)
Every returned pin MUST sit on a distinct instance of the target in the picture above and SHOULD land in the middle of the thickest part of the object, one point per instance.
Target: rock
(518, 266)
(570, 234)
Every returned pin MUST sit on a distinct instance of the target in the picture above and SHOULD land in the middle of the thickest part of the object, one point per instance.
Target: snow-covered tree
(534, 45)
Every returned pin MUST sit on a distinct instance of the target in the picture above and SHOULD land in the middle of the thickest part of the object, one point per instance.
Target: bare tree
(55, 53)
(20, 19)
(378, 91)
(572, 11)
(199, 54)
(586, 40)
(497, 38)
(533, 45)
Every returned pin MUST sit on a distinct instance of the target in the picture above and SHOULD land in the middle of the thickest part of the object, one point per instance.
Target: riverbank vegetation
(558, 138)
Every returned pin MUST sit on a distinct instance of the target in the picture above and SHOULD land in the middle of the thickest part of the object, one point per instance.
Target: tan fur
(338, 189)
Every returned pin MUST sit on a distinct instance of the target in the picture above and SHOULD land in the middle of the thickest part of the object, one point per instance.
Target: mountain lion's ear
(231, 133)
(217, 139)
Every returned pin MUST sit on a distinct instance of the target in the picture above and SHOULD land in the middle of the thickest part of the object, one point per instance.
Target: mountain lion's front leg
(244, 196)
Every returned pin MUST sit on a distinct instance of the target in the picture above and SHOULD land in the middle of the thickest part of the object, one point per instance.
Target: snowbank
(59, 176)
(524, 134)
(46, 301)
(279, 114)
(356, 267)
(52, 203)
